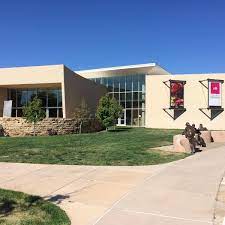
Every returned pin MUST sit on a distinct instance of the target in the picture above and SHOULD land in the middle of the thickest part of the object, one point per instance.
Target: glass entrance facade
(51, 100)
(129, 91)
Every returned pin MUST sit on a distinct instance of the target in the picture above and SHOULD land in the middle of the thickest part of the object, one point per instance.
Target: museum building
(150, 96)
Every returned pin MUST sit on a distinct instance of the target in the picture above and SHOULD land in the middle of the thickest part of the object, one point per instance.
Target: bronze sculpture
(189, 133)
(194, 136)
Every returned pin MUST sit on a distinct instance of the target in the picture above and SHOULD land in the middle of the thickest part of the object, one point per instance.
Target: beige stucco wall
(195, 97)
(31, 75)
(78, 88)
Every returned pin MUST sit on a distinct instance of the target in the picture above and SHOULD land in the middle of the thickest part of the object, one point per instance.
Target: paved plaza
(181, 192)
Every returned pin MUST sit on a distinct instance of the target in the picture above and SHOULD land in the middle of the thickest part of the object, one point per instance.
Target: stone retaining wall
(19, 127)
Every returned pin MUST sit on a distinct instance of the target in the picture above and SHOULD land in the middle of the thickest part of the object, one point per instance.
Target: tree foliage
(109, 110)
(33, 112)
(81, 114)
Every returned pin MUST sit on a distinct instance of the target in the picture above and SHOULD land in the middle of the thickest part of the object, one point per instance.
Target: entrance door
(122, 119)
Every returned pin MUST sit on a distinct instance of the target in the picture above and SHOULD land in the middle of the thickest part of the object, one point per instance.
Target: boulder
(206, 135)
(181, 144)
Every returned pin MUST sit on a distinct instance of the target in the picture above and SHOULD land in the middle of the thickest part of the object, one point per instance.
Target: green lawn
(17, 208)
(122, 147)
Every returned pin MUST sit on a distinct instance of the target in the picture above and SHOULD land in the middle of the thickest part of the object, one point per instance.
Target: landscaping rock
(19, 127)
(181, 144)
(206, 135)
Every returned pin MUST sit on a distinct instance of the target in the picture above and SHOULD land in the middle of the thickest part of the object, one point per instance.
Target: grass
(121, 147)
(17, 208)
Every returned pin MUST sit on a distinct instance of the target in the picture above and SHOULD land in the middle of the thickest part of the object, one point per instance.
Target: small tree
(33, 112)
(108, 112)
(81, 114)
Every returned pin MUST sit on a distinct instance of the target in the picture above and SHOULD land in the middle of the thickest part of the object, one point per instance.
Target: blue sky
(184, 36)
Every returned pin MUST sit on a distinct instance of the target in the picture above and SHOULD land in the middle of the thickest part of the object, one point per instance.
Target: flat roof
(148, 68)
(117, 68)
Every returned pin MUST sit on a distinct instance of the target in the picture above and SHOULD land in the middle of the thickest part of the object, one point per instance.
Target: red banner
(177, 94)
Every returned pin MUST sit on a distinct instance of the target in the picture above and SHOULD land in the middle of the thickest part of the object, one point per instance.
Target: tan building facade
(60, 88)
(197, 110)
(147, 101)
(143, 90)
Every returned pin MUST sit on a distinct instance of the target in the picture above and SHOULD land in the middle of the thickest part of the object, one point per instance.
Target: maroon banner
(177, 94)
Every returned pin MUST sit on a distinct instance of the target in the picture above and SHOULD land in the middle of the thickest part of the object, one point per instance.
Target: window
(129, 91)
(59, 98)
(42, 94)
(21, 98)
(52, 112)
(129, 83)
(105, 81)
(31, 94)
(51, 100)
(13, 97)
(122, 96)
(129, 96)
(135, 83)
(141, 83)
(135, 117)
(116, 84)
(98, 80)
(110, 84)
(135, 96)
(116, 96)
(122, 84)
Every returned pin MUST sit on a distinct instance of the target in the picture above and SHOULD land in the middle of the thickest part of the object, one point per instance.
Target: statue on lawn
(189, 133)
(200, 140)
(194, 136)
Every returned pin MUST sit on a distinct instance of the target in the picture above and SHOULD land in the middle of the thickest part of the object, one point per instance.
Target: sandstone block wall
(19, 127)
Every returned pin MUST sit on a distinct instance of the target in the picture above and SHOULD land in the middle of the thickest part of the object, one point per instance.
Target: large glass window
(42, 94)
(110, 84)
(129, 91)
(21, 98)
(51, 100)
(122, 84)
(116, 84)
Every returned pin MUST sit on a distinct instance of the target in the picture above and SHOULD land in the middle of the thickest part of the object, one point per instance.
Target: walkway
(181, 192)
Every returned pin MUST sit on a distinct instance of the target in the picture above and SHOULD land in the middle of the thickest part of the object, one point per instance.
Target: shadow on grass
(7, 206)
(32, 200)
(120, 129)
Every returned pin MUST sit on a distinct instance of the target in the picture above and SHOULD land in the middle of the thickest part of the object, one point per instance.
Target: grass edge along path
(17, 208)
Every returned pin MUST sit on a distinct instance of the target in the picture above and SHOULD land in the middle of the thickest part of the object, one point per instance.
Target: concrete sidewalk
(179, 193)
(84, 192)
(183, 193)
